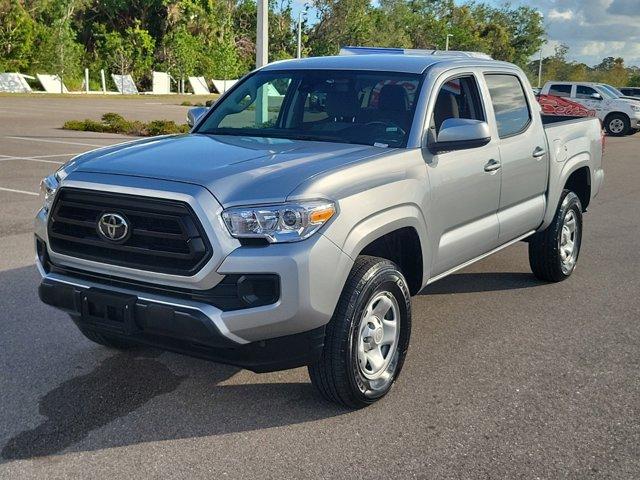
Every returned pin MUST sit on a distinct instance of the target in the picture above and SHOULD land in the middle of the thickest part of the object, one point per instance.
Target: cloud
(561, 16)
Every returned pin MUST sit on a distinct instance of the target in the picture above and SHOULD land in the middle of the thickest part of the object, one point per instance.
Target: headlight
(287, 222)
(48, 187)
(635, 108)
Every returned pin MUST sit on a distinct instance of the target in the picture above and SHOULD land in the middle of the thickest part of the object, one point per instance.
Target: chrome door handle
(492, 165)
(539, 152)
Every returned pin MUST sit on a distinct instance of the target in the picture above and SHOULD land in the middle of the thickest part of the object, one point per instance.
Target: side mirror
(461, 134)
(595, 96)
(194, 114)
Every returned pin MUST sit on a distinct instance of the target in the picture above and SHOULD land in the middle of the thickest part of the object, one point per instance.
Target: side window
(457, 98)
(509, 104)
(584, 92)
(560, 90)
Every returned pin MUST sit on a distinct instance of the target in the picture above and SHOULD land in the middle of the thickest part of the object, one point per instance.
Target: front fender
(383, 222)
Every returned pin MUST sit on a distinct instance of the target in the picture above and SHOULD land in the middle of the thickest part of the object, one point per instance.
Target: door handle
(539, 152)
(492, 165)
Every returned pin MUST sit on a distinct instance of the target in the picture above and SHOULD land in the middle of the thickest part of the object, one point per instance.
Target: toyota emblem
(113, 227)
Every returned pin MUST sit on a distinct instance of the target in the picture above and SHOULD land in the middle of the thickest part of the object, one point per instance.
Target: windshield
(613, 92)
(369, 108)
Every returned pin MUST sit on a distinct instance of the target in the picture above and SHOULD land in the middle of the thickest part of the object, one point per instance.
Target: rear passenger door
(523, 156)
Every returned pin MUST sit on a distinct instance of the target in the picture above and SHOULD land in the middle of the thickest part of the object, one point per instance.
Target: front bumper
(635, 123)
(178, 328)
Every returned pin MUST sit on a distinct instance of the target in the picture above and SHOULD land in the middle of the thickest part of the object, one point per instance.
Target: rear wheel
(107, 340)
(617, 124)
(553, 253)
(368, 336)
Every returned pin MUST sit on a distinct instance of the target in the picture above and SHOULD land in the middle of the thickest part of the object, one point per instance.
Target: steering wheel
(386, 125)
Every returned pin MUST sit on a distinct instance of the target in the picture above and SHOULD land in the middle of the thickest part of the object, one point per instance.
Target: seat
(342, 106)
(393, 104)
(446, 107)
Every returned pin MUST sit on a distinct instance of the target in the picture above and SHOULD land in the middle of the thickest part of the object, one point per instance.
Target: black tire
(107, 340)
(337, 375)
(617, 117)
(545, 255)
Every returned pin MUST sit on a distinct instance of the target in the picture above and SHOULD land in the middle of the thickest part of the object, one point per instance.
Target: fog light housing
(258, 290)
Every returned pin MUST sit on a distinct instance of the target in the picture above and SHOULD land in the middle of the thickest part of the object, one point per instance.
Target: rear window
(560, 90)
(509, 104)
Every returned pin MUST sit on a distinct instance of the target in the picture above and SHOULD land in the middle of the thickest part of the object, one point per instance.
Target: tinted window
(585, 92)
(457, 98)
(509, 104)
(320, 105)
(560, 90)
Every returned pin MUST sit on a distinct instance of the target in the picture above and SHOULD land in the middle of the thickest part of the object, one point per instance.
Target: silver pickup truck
(293, 224)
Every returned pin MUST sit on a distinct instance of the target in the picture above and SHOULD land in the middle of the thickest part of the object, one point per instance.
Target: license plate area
(109, 310)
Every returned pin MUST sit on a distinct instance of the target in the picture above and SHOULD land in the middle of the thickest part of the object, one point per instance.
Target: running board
(474, 260)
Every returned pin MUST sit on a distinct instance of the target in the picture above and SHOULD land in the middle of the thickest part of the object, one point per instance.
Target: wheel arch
(398, 234)
(572, 173)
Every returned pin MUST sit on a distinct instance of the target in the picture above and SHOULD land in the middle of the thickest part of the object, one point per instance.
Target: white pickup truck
(619, 116)
(295, 221)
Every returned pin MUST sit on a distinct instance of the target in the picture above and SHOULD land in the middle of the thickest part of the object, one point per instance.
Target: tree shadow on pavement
(482, 282)
(134, 396)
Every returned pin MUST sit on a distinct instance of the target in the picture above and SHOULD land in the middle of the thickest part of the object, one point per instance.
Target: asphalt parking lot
(506, 377)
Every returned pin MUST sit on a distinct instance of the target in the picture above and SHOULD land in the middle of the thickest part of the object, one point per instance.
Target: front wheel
(617, 125)
(368, 336)
(553, 253)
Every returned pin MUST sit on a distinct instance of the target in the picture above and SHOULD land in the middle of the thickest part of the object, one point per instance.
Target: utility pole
(300, 34)
(446, 45)
(540, 70)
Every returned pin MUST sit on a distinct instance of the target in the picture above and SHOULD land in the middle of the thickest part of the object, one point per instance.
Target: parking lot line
(35, 139)
(18, 191)
(6, 158)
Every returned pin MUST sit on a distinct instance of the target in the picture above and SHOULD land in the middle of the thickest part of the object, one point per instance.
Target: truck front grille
(163, 236)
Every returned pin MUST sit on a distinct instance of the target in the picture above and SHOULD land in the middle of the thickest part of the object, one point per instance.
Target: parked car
(294, 233)
(620, 116)
(631, 92)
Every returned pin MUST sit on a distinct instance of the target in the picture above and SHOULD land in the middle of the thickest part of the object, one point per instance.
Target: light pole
(262, 35)
(446, 45)
(540, 70)
(262, 58)
(299, 34)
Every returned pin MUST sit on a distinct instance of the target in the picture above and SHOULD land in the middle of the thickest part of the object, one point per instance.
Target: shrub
(165, 127)
(116, 123)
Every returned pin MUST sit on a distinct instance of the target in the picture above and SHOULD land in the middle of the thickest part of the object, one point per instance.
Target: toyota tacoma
(294, 222)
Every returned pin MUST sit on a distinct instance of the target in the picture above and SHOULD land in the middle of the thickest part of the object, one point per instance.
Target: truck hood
(236, 170)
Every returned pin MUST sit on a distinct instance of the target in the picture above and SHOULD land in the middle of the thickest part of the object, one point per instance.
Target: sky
(593, 29)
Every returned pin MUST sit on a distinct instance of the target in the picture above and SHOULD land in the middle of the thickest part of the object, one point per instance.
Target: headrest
(342, 104)
(393, 98)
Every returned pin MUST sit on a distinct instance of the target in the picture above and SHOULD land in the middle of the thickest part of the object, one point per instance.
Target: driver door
(465, 183)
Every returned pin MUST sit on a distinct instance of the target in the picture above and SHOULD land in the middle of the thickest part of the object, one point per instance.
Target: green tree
(17, 32)
(128, 53)
(182, 52)
(56, 49)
